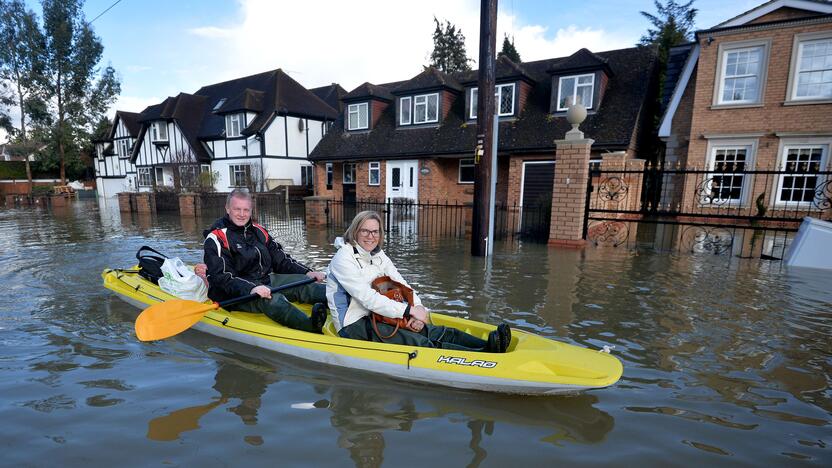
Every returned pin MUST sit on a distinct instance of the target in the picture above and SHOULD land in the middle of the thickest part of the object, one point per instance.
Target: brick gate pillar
(316, 214)
(569, 190)
(124, 201)
(145, 202)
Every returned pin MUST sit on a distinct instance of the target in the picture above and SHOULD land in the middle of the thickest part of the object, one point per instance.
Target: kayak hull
(533, 365)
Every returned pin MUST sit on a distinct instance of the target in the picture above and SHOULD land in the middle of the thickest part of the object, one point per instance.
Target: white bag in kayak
(180, 281)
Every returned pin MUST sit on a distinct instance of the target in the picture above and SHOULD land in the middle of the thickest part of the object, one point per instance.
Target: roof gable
(331, 95)
(581, 60)
(812, 7)
(248, 100)
(505, 70)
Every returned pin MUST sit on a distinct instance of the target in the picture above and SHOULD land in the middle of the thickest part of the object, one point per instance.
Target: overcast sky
(161, 48)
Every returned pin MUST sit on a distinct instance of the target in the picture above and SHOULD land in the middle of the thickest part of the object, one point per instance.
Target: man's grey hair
(241, 193)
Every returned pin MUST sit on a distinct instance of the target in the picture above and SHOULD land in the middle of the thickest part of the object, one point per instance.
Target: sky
(160, 48)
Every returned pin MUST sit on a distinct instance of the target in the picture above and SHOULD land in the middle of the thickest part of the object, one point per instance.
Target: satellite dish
(300, 125)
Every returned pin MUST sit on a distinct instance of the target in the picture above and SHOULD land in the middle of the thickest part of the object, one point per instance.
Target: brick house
(755, 93)
(415, 138)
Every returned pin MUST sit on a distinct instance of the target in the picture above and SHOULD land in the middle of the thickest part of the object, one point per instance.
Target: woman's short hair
(351, 235)
(241, 193)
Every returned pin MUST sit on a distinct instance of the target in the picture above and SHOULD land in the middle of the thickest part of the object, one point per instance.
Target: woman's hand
(419, 313)
(415, 324)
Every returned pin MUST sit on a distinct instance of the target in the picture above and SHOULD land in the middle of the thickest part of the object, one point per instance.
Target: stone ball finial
(575, 115)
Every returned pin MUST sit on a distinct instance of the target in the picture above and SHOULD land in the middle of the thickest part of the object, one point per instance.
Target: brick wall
(378, 108)
(448, 99)
(782, 14)
(363, 189)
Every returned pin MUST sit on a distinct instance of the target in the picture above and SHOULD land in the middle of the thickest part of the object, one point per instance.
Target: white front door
(403, 179)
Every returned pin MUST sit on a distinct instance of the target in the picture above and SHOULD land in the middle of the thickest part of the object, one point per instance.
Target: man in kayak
(242, 258)
(357, 266)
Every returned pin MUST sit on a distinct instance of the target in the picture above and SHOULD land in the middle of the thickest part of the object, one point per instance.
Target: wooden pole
(485, 122)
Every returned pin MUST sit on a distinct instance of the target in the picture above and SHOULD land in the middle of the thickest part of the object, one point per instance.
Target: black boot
(318, 316)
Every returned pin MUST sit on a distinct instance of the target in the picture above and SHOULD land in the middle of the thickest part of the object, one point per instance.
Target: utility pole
(485, 123)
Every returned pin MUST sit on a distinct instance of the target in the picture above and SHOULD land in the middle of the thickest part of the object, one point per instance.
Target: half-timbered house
(114, 172)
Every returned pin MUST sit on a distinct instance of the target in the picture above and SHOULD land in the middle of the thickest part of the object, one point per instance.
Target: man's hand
(262, 291)
(318, 275)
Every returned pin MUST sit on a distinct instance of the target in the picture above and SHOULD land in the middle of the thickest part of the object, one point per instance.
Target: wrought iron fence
(723, 210)
(404, 217)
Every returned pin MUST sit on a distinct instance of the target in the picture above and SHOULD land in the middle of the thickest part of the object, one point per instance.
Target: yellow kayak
(533, 365)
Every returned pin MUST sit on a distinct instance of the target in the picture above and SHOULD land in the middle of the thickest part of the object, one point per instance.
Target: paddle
(172, 317)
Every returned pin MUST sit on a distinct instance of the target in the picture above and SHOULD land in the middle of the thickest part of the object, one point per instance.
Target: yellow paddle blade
(169, 318)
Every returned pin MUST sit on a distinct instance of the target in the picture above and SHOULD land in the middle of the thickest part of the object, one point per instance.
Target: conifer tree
(449, 53)
(509, 50)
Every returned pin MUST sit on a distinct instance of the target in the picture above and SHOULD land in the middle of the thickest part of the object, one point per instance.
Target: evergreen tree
(21, 61)
(509, 50)
(449, 48)
(672, 25)
(78, 92)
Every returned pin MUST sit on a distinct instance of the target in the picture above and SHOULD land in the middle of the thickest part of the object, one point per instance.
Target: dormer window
(504, 94)
(219, 104)
(575, 89)
(357, 116)
(159, 131)
(426, 108)
(233, 125)
(404, 110)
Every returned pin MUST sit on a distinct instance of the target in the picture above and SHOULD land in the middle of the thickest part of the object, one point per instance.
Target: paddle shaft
(253, 296)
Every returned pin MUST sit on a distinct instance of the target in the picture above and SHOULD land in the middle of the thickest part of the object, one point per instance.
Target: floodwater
(726, 361)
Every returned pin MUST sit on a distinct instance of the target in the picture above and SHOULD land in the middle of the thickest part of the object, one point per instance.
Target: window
(404, 111)
(159, 131)
(467, 171)
(375, 173)
(575, 89)
(504, 95)
(233, 124)
(145, 180)
(426, 108)
(741, 75)
(189, 175)
(306, 176)
(160, 176)
(329, 176)
(801, 187)
(124, 148)
(813, 79)
(357, 116)
(239, 175)
(727, 181)
(349, 173)
(219, 104)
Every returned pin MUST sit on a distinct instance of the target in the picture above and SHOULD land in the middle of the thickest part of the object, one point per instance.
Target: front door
(403, 179)
(536, 198)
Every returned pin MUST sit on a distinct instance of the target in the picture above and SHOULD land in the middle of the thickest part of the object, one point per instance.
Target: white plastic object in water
(811, 247)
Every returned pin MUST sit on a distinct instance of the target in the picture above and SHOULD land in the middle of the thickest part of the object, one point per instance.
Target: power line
(105, 11)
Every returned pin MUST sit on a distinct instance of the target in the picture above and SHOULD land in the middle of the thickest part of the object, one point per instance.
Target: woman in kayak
(358, 262)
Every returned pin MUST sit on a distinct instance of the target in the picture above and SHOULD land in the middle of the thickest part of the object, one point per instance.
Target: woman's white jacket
(349, 291)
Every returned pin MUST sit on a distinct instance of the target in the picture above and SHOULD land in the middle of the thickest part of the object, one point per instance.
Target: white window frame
(308, 173)
(464, 163)
(330, 178)
(233, 125)
(156, 130)
(498, 97)
(794, 73)
(750, 145)
(234, 170)
(124, 148)
(402, 107)
(574, 92)
(144, 177)
(351, 180)
(159, 175)
(356, 109)
(722, 64)
(825, 143)
(374, 166)
(423, 100)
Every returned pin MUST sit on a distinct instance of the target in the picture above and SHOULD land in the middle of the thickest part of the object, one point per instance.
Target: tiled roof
(506, 70)
(612, 126)
(431, 78)
(268, 93)
(130, 121)
(369, 90)
(675, 63)
(331, 95)
(583, 59)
